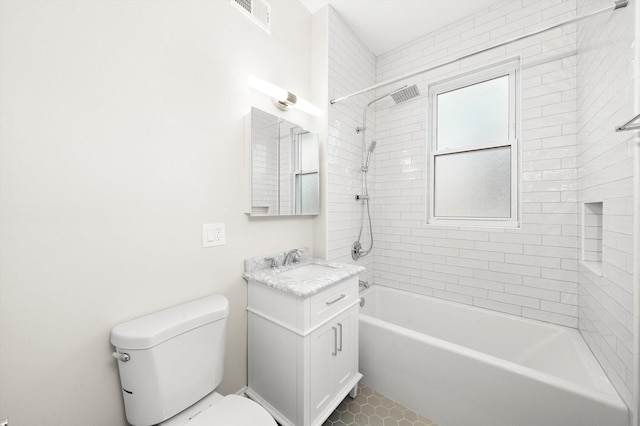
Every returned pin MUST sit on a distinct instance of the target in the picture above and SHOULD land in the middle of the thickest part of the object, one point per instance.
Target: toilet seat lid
(234, 410)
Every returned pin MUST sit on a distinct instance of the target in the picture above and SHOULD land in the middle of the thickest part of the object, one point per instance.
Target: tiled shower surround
(351, 67)
(533, 271)
(605, 99)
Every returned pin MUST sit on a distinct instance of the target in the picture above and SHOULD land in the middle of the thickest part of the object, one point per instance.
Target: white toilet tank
(175, 358)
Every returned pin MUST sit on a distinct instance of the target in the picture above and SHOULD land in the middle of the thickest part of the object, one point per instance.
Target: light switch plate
(213, 234)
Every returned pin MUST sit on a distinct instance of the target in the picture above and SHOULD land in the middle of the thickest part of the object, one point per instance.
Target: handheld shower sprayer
(372, 147)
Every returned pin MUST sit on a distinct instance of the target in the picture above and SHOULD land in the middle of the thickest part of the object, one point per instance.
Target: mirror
(282, 167)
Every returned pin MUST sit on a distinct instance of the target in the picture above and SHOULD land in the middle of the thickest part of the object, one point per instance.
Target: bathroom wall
(606, 78)
(531, 271)
(351, 67)
(121, 133)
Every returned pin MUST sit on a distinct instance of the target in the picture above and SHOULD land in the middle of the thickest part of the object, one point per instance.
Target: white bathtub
(459, 365)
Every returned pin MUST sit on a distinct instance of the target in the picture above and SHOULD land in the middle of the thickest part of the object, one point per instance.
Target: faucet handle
(273, 260)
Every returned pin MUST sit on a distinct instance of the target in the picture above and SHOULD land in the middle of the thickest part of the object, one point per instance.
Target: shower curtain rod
(617, 5)
(629, 126)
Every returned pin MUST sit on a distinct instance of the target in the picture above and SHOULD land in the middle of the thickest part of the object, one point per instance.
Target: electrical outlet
(213, 234)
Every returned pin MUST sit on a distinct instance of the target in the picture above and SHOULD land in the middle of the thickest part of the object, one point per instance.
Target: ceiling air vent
(258, 10)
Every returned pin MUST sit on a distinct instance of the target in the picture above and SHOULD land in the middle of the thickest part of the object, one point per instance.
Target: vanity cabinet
(303, 351)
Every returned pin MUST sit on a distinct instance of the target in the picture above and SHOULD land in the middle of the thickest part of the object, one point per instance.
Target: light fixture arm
(287, 103)
(283, 99)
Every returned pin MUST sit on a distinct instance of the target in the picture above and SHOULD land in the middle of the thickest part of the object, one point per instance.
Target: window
(473, 149)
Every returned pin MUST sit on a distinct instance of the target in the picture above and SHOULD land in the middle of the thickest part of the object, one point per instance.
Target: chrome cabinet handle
(342, 296)
(340, 327)
(335, 341)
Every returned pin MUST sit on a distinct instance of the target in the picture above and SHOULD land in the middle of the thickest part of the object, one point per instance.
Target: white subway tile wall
(508, 270)
(570, 90)
(605, 78)
(351, 67)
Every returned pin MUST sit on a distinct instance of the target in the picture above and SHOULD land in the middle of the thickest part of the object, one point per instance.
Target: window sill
(471, 223)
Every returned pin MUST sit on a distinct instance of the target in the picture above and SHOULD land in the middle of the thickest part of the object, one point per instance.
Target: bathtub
(459, 365)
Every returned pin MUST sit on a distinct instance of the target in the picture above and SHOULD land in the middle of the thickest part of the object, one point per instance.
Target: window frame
(512, 68)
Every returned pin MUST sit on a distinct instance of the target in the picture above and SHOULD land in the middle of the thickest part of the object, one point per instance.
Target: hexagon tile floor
(371, 408)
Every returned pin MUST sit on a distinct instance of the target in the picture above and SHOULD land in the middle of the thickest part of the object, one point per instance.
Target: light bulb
(267, 88)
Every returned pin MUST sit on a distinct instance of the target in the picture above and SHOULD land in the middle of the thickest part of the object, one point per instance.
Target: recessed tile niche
(592, 236)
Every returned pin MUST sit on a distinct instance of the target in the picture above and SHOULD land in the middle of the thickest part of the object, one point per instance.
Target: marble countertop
(308, 286)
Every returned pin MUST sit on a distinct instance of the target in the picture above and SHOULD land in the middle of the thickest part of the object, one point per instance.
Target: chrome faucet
(363, 285)
(292, 256)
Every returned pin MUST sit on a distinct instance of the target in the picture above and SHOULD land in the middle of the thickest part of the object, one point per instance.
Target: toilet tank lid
(150, 330)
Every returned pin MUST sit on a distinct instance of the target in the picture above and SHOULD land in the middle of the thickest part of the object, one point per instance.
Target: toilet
(170, 363)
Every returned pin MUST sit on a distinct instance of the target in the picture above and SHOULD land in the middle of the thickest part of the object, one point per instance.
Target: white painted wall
(606, 76)
(121, 133)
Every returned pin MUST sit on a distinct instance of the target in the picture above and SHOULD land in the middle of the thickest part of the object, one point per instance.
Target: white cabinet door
(323, 346)
(333, 361)
(345, 365)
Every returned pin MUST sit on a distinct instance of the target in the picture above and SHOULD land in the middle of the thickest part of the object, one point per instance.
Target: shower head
(372, 146)
(399, 95)
(404, 94)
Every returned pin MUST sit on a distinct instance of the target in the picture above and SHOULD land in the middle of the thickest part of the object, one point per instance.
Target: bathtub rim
(610, 398)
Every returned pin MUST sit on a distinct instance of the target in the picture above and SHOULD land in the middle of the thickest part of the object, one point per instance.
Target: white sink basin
(306, 272)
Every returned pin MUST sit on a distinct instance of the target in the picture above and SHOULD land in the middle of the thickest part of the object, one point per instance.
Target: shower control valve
(362, 197)
(356, 250)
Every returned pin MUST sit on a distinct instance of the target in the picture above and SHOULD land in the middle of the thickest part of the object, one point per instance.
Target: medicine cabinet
(282, 167)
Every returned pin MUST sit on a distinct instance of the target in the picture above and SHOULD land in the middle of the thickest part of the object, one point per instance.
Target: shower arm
(616, 5)
(364, 114)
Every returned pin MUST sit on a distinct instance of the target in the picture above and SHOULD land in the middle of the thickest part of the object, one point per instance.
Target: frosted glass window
(474, 114)
(473, 148)
(473, 184)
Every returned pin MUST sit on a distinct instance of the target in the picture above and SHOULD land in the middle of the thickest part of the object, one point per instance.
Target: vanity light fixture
(283, 99)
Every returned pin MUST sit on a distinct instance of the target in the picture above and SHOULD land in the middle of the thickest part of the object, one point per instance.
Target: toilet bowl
(170, 363)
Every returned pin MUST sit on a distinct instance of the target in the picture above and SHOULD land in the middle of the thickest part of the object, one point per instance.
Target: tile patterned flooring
(371, 408)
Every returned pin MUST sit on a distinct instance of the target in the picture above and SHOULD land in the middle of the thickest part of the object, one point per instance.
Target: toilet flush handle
(121, 357)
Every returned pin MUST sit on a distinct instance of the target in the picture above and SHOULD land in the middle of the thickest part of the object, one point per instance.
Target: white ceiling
(383, 25)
